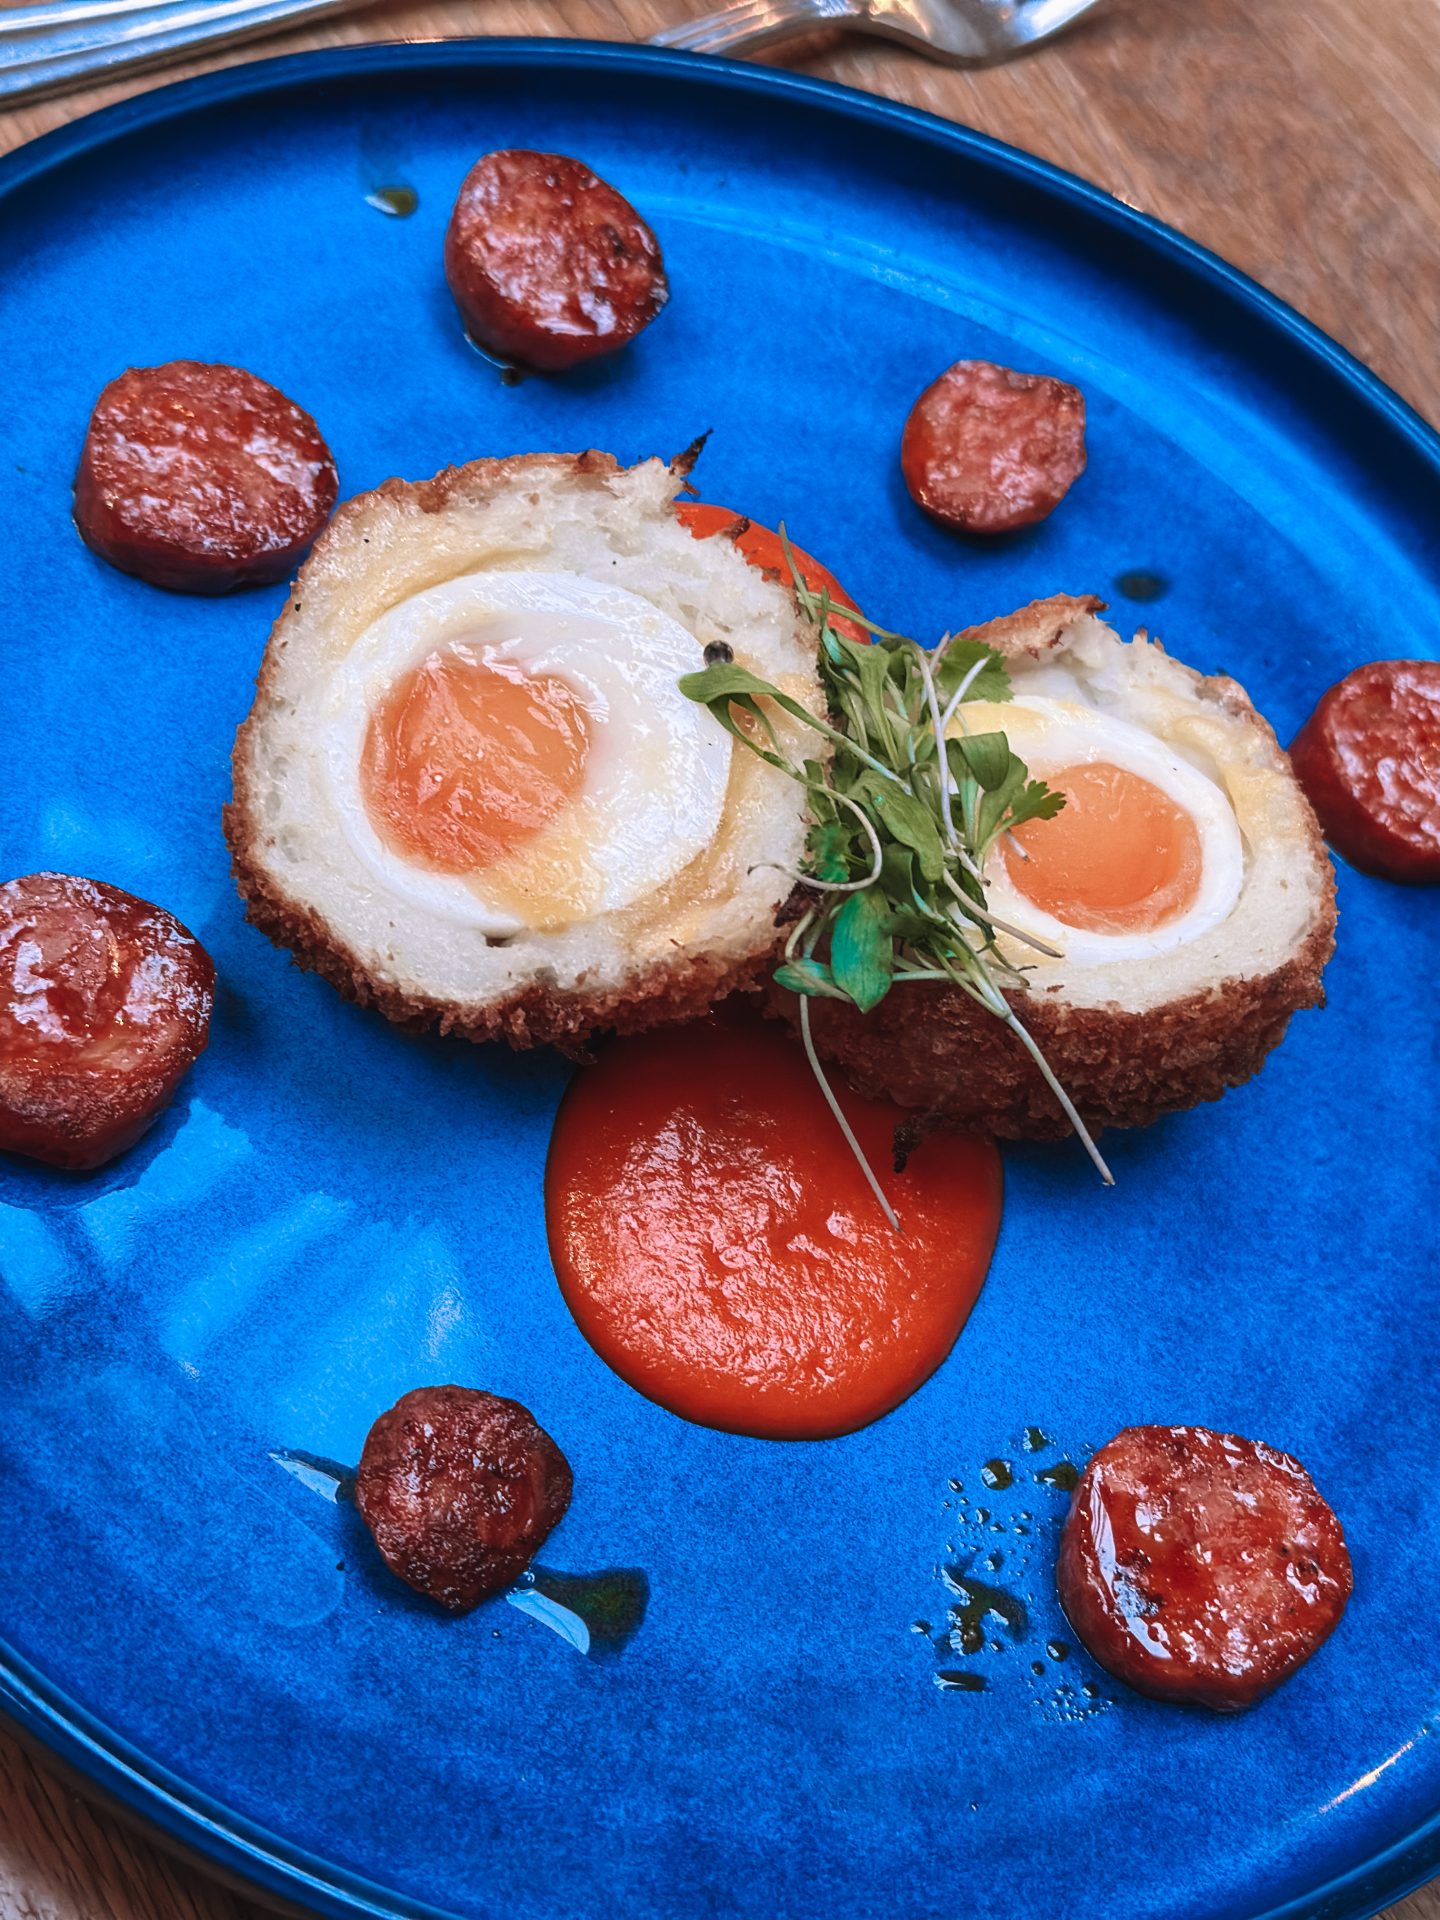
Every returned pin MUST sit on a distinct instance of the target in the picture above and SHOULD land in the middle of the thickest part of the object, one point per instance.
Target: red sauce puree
(720, 1249)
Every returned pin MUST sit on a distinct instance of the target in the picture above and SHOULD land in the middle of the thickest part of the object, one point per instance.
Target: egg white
(654, 780)
(1051, 733)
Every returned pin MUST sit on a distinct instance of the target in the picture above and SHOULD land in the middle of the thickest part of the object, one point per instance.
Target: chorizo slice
(104, 1005)
(548, 264)
(1369, 760)
(990, 450)
(202, 478)
(460, 1488)
(1200, 1567)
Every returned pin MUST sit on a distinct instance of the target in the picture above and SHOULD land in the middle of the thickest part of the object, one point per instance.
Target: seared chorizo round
(989, 450)
(1200, 1567)
(548, 264)
(1369, 760)
(460, 1488)
(202, 478)
(104, 1004)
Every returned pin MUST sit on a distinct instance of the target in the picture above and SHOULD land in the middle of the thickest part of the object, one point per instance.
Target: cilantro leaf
(861, 949)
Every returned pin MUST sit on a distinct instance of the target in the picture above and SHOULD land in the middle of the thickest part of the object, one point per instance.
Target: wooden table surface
(1301, 142)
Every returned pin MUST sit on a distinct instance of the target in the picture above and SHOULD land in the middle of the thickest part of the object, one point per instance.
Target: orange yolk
(1119, 857)
(464, 762)
(719, 1248)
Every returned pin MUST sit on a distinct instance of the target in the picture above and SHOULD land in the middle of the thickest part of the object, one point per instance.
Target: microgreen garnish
(903, 819)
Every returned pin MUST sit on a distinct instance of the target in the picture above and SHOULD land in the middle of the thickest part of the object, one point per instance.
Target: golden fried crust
(1035, 629)
(933, 1051)
(535, 1017)
(479, 480)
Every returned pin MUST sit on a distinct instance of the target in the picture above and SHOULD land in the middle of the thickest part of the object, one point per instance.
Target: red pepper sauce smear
(720, 1249)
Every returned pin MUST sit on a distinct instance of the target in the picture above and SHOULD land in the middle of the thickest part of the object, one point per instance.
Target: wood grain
(1301, 142)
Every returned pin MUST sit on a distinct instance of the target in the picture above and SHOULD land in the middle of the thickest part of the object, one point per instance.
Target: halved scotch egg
(470, 792)
(1184, 889)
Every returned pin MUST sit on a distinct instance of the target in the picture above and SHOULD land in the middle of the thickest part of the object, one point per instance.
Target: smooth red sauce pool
(720, 1249)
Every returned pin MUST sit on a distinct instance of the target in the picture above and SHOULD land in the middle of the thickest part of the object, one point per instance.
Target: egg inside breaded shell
(470, 792)
(1184, 893)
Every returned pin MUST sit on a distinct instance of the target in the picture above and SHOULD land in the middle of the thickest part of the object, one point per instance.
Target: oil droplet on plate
(1033, 1440)
(997, 1475)
(1142, 583)
(398, 202)
(510, 374)
(1064, 1476)
(966, 1637)
(1057, 1649)
(981, 1601)
(957, 1680)
(331, 1479)
(598, 1613)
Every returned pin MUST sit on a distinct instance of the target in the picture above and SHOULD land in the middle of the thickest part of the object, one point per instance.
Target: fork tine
(1037, 20)
(964, 33)
(753, 23)
(693, 36)
(124, 27)
(57, 14)
(53, 61)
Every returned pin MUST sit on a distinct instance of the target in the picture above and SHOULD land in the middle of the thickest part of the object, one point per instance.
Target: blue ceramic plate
(333, 1212)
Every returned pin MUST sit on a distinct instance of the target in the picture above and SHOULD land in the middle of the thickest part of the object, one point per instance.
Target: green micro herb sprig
(903, 819)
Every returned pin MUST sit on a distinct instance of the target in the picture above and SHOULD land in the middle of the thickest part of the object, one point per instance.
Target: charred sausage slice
(548, 264)
(1200, 1567)
(104, 1004)
(460, 1488)
(1369, 760)
(989, 450)
(202, 478)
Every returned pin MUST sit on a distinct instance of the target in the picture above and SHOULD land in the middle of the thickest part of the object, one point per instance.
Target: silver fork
(960, 32)
(53, 45)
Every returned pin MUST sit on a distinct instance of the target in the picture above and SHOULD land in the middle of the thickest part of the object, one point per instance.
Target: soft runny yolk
(465, 761)
(1119, 857)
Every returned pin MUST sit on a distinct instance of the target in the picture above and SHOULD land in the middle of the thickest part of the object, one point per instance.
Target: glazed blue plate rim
(196, 1821)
